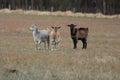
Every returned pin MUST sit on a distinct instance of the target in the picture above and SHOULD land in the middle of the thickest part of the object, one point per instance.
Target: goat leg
(48, 42)
(36, 45)
(45, 45)
(75, 43)
(84, 43)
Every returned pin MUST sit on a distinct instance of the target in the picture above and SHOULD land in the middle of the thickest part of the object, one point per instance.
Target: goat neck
(35, 33)
(72, 31)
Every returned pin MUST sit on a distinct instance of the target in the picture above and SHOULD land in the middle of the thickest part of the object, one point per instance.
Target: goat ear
(87, 29)
(75, 25)
(59, 27)
(52, 27)
(68, 25)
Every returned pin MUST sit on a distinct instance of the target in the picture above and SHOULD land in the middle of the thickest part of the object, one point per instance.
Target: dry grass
(101, 61)
(59, 13)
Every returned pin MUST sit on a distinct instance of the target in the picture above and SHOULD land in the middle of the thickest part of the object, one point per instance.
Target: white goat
(40, 36)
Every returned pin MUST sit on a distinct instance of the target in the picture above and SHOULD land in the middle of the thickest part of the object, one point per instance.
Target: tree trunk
(13, 4)
(32, 2)
(26, 4)
(104, 6)
(5, 4)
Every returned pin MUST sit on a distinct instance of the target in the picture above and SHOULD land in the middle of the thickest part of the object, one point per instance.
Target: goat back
(82, 32)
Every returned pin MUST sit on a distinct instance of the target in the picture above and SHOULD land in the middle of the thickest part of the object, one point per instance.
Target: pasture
(100, 61)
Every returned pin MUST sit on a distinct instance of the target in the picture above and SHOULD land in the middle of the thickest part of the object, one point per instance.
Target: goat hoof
(52, 49)
(74, 48)
(83, 48)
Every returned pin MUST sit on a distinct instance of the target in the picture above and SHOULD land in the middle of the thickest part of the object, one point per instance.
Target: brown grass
(101, 61)
(60, 13)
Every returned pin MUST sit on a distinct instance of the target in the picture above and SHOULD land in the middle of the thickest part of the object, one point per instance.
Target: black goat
(78, 34)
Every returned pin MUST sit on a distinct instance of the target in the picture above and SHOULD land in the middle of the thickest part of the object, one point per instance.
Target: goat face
(72, 29)
(72, 26)
(33, 28)
(55, 28)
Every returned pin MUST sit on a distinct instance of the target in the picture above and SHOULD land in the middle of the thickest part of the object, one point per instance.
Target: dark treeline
(88, 6)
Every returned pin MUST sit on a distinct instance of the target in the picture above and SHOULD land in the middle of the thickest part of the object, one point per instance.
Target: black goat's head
(71, 25)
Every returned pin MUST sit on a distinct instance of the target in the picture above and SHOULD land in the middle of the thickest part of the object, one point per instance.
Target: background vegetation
(89, 6)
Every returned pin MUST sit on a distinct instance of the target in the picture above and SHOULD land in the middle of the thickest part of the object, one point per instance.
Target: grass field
(100, 61)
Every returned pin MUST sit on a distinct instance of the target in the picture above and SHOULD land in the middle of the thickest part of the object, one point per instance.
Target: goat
(40, 36)
(55, 37)
(78, 34)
